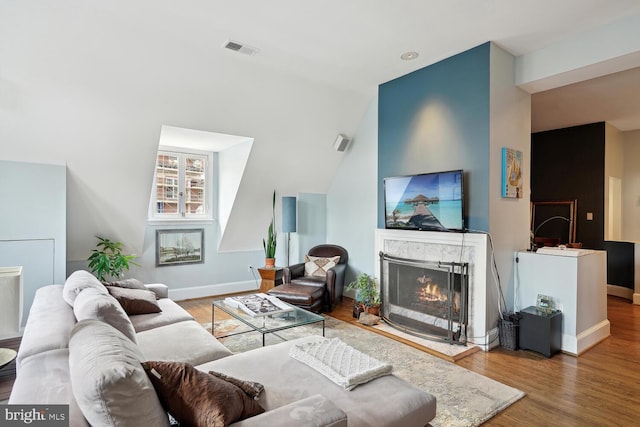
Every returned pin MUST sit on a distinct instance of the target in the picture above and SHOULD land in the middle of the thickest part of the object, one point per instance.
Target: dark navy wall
(568, 164)
(437, 119)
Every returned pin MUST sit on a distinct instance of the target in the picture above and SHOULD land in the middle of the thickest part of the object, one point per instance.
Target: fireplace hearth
(425, 298)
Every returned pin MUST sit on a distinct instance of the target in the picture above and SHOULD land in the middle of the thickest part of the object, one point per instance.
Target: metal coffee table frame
(270, 324)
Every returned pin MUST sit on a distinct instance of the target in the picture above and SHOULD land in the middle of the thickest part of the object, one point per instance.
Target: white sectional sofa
(63, 361)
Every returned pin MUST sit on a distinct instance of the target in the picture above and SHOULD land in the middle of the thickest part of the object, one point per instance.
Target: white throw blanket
(341, 363)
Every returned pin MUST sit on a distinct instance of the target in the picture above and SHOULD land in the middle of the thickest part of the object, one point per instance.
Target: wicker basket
(508, 330)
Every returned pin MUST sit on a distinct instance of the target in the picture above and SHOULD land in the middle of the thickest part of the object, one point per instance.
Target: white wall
(631, 187)
(611, 48)
(75, 91)
(613, 168)
(232, 163)
(510, 126)
(352, 198)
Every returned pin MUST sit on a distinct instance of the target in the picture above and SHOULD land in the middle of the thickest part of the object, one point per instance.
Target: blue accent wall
(437, 119)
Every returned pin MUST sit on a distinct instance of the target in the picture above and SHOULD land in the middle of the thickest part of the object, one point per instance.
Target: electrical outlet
(250, 268)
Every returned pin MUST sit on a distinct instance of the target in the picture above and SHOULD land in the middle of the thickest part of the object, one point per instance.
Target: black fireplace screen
(425, 298)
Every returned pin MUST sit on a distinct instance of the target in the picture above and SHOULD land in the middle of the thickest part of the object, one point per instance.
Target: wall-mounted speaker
(341, 142)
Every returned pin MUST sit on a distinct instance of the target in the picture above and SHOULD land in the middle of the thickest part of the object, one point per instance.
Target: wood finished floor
(599, 388)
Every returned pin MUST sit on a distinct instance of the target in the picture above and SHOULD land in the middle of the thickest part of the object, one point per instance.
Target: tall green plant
(108, 260)
(270, 243)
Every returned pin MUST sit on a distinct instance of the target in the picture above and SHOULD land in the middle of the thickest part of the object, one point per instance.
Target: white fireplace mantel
(471, 248)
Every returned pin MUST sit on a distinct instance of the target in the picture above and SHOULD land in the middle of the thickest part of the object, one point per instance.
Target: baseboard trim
(636, 299)
(620, 291)
(491, 340)
(12, 335)
(593, 336)
(577, 345)
(212, 290)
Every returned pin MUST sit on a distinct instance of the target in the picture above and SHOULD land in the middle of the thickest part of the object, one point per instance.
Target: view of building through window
(180, 185)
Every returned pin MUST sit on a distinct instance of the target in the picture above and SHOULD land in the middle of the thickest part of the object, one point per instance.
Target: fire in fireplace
(430, 299)
(427, 298)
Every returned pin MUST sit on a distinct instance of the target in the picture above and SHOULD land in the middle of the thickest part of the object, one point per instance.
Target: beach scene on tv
(424, 202)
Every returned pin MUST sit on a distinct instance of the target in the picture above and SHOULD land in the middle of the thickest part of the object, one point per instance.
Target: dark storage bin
(508, 330)
(541, 332)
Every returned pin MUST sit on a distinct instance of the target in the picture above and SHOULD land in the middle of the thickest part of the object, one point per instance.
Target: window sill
(186, 221)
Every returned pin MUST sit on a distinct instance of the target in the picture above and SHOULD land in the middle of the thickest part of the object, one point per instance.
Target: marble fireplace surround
(450, 247)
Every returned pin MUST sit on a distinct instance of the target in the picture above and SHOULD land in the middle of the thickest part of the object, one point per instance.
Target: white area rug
(464, 398)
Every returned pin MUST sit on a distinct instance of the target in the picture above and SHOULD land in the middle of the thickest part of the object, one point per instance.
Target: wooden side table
(271, 277)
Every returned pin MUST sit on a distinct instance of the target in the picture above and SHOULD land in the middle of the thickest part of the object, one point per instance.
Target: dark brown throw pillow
(250, 388)
(195, 398)
(135, 301)
(126, 283)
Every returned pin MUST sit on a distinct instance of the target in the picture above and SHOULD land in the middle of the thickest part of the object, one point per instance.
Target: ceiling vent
(240, 47)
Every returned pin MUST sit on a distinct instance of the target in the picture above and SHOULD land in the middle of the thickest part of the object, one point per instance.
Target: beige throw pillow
(107, 378)
(126, 283)
(76, 282)
(92, 304)
(318, 266)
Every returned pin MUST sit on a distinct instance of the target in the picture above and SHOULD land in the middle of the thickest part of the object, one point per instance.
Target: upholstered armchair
(317, 283)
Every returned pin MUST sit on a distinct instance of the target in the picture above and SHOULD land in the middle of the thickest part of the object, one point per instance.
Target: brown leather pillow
(196, 398)
(135, 301)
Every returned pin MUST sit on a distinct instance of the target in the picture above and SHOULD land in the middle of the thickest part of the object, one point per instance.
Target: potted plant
(108, 260)
(269, 243)
(367, 294)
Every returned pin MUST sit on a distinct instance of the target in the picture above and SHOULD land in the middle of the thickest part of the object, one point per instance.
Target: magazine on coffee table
(258, 304)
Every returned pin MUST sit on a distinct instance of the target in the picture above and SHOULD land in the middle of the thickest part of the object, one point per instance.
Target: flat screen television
(429, 201)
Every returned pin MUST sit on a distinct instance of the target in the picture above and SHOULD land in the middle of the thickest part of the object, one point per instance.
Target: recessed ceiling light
(408, 56)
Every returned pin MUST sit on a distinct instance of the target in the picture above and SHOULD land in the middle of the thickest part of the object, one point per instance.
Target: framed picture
(511, 173)
(179, 246)
(553, 222)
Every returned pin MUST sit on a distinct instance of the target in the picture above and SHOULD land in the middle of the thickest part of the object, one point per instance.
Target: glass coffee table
(268, 324)
(7, 356)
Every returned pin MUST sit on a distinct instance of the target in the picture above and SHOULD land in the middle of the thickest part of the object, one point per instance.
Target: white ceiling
(356, 45)
(614, 98)
(353, 45)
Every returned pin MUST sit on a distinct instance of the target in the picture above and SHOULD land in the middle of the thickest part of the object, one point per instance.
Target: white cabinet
(577, 282)
(10, 301)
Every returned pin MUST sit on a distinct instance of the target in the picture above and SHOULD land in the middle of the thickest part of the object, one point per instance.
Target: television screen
(430, 201)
